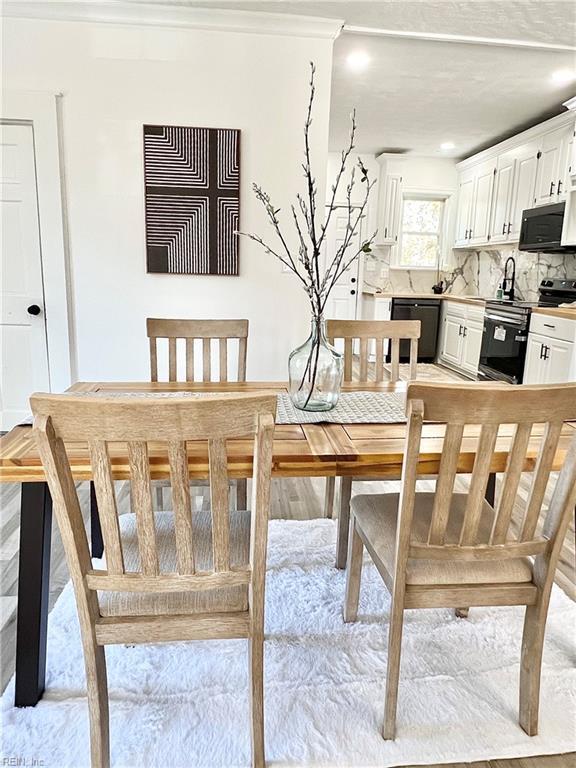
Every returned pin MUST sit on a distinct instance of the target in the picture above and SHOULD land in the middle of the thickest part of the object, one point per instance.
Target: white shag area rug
(186, 704)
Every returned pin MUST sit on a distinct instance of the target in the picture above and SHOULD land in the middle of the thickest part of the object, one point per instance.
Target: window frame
(432, 195)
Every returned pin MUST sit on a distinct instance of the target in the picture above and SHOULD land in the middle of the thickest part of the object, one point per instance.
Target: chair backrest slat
(172, 364)
(219, 489)
(223, 360)
(135, 422)
(104, 487)
(153, 360)
(191, 330)
(540, 478)
(370, 332)
(478, 483)
(364, 359)
(514, 467)
(468, 528)
(445, 483)
(206, 359)
(189, 359)
(180, 481)
(379, 343)
(142, 506)
(395, 360)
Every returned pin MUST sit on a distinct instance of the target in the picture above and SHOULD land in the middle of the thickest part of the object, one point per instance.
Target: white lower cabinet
(471, 346)
(460, 340)
(550, 356)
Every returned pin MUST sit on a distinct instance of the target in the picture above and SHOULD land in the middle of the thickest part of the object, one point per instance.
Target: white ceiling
(416, 94)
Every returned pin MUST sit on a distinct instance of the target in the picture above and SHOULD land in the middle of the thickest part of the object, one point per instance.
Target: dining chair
(371, 336)
(170, 576)
(192, 332)
(447, 549)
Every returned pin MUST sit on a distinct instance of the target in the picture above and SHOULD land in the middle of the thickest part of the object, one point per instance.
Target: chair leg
(159, 497)
(242, 494)
(97, 686)
(329, 497)
(531, 666)
(343, 521)
(256, 650)
(462, 613)
(353, 572)
(393, 668)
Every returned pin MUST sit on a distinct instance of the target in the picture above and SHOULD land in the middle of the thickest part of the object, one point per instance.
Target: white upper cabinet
(552, 165)
(482, 203)
(465, 199)
(524, 183)
(389, 201)
(503, 183)
(499, 183)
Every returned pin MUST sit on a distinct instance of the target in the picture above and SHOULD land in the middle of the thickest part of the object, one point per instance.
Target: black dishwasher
(428, 312)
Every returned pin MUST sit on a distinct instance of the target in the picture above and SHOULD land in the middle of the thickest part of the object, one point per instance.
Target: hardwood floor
(292, 498)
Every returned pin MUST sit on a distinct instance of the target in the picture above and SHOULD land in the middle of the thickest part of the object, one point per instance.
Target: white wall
(114, 79)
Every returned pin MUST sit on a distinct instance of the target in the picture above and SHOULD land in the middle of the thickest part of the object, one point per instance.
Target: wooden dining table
(300, 450)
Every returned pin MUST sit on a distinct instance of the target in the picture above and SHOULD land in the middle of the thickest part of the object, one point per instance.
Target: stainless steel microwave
(541, 230)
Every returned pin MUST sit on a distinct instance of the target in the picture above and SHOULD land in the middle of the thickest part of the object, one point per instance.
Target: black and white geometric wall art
(192, 191)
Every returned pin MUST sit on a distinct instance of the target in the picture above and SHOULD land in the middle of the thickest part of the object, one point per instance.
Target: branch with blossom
(317, 279)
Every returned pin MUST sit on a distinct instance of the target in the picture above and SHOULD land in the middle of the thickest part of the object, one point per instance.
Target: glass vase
(315, 371)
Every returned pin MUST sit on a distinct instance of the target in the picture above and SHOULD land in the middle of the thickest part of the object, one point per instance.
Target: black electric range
(506, 324)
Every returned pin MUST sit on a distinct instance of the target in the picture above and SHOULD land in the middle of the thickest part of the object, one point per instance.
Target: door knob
(34, 309)
(352, 292)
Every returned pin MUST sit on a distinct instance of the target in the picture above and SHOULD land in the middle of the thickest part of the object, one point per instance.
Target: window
(421, 235)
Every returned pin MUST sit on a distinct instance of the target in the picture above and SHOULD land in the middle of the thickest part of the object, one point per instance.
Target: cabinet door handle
(509, 227)
(464, 331)
(385, 232)
(459, 330)
(542, 348)
(548, 325)
(552, 185)
(504, 228)
(559, 186)
(546, 351)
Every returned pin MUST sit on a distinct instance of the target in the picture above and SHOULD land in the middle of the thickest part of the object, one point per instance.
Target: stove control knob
(574, 284)
(548, 283)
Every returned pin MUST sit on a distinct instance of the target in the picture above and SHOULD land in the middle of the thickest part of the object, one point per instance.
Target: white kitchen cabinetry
(461, 336)
(474, 205)
(465, 199)
(552, 165)
(503, 185)
(499, 183)
(389, 200)
(551, 351)
(482, 203)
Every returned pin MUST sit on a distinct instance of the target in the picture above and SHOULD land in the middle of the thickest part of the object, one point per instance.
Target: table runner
(352, 407)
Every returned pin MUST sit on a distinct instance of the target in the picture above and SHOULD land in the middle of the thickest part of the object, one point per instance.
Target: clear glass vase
(315, 371)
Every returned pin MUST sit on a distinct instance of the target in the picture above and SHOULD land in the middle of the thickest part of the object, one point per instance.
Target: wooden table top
(300, 450)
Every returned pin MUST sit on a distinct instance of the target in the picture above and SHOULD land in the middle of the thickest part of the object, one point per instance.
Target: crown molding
(439, 37)
(570, 104)
(122, 12)
(559, 121)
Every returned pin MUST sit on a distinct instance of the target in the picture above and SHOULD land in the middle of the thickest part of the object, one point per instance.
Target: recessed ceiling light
(563, 76)
(358, 60)
(447, 145)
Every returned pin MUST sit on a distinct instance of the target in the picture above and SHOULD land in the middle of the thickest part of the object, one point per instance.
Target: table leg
(343, 522)
(33, 593)
(490, 494)
(95, 530)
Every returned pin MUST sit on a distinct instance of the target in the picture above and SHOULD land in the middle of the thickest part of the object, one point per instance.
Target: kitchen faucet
(508, 282)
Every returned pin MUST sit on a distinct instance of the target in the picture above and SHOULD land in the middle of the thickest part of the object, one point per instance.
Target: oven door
(503, 348)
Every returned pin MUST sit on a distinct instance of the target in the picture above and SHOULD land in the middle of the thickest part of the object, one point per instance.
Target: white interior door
(23, 347)
(344, 296)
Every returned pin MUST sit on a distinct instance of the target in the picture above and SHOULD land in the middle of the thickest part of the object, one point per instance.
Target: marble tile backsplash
(475, 273)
